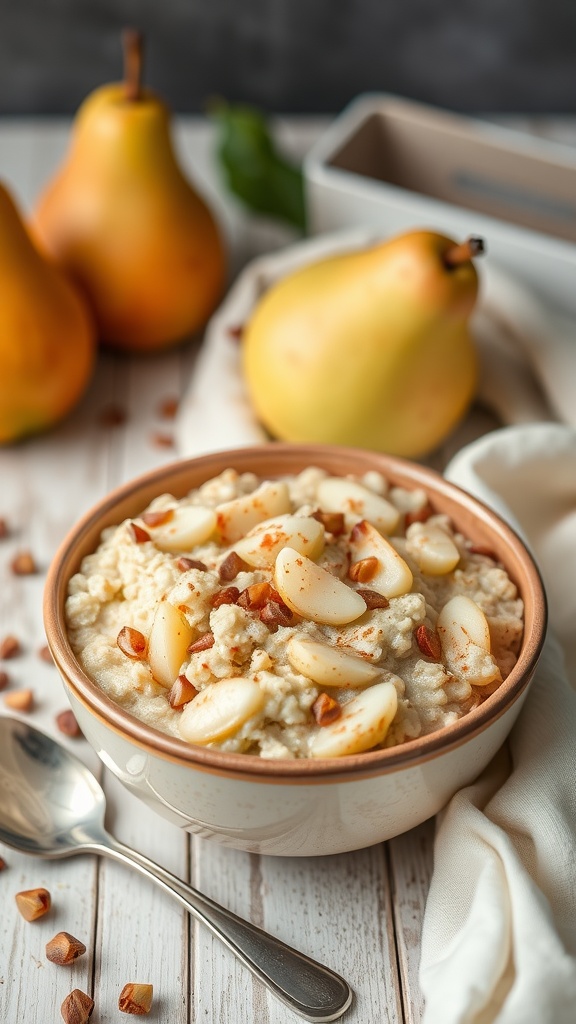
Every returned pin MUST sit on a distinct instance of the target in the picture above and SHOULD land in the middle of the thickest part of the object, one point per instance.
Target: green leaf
(254, 169)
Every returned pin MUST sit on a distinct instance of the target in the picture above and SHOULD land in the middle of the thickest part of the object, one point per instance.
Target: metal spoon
(52, 806)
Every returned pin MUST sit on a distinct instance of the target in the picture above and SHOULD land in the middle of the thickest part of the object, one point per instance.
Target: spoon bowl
(52, 806)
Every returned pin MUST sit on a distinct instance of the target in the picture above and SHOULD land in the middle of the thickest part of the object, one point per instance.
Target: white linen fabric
(499, 937)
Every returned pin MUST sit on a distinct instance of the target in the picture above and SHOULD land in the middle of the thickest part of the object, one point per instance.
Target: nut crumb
(132, 643)
(182, 691)
(428, 642)
(112, 416)
(138, 534)
(333, 522)
(4, 531)
(135, 999)
(67, 724)
(19, 700)
(364, 570)
(45, 654)
(184, 564)
(168, 408)
(64, 948)
(326, 709)
(10, 647)
(23, 563)
(4, 679)
(236, 331)
(373, 599)
(230, 567)
(160, 439)
(3, 864)
(33, 903)
(203, 643)
(229, 595)
(77, 1007)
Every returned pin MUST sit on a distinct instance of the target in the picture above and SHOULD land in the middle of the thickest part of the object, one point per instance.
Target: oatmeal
(310, 616)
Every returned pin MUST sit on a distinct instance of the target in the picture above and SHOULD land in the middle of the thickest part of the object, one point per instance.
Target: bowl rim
(294, 770)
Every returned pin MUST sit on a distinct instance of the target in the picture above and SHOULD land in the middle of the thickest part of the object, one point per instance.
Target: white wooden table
(360, 913)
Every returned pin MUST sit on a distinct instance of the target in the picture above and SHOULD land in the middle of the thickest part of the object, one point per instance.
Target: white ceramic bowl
(295, 807)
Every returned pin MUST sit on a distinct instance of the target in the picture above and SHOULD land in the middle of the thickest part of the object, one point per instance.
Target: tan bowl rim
(372, 763)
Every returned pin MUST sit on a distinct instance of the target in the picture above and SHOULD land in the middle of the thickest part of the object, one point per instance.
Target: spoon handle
(307, 987)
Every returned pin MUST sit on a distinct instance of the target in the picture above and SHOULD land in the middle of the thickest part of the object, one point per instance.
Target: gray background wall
(296, 55)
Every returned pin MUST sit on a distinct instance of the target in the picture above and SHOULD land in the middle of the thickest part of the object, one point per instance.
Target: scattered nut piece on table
(23, 564)
(9, 647)
(135, 999)
(33, 903)
(67, 723)
(20, 700)
(64, 948)
(77, 1007)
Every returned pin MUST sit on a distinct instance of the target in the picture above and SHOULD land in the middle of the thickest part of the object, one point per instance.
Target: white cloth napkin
(499, 937)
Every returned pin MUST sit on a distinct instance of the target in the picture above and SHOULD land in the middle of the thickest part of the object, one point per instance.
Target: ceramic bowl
(302, 807)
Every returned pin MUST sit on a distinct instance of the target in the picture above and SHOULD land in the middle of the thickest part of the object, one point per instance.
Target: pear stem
(133, 46)
(457, 254)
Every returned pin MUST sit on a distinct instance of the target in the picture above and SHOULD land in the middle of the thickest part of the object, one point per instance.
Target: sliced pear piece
(237, 517)
(330, 666)
(465, 637)
(363, 724)
(187, 526)
(220, 710)
(168, 643)
(313, 592)
(393, 576)
(432, 549)
(261, 546)
(336, 494)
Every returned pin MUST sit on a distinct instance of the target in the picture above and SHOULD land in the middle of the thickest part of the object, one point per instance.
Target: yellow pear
(370, 348)
(47, 336)
(121, 216)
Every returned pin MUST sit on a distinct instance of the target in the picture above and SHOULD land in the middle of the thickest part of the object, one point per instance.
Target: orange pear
(123, 219)
(47, 336)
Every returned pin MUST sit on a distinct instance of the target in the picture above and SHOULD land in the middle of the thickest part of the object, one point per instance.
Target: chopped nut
(67, 724)
(64, 948)
(4, 531)
(230, 567)
(23, 564)
(235, 331)
(429, 642)
(3, 864)
(158, 518)
(184, 564)
(333, 522)
(229, 595)
(138, 534)
(45, 654)
(364, 570)
(112, 416)
(276, 613)
(182, 691)
(132, 643)
(9, 647)
(325, 709)
(420, 515)
(257, 595)
(33, 903)
(203, 643)
(161, 440)
(4, 679)
(168, 408)
(135, 999)
(19, 700)
(373, 599)
(77, 1007)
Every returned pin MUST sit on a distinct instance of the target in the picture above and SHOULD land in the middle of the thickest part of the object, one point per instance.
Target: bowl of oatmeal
(294, 650)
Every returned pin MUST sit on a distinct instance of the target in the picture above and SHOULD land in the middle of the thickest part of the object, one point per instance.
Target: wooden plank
(411, 860)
